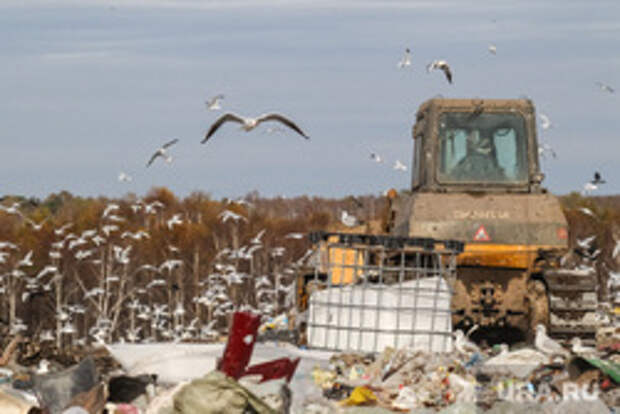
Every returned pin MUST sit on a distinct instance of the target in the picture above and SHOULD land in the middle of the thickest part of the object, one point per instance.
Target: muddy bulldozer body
(476, 178)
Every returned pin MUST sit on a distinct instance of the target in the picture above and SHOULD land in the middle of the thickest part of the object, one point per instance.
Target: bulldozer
(476, 179)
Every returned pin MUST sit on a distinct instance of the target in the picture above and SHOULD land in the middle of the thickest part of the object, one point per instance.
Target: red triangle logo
(481, 234)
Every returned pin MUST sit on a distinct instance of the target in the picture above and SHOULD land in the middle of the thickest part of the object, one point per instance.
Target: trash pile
(546, 378)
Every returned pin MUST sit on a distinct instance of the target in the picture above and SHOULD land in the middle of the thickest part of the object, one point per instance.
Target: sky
(92, 87)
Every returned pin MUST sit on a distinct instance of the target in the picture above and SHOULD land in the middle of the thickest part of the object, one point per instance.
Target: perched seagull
(161, 152)
(399, 166)
(249, 124)
(545, 122)
(605, 88)
(443, 65)
(406, 60)
(213, 104)
(547, 345)
(579, 349)
(124, 177)
(347, 219)
(492, 49)
(463, 344)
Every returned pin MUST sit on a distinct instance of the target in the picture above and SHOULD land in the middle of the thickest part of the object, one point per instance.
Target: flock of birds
(104, 254)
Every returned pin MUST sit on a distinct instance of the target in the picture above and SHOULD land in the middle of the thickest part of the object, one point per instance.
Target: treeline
(159, 267)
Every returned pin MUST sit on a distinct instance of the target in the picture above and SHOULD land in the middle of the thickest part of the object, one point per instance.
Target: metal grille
(370, 292)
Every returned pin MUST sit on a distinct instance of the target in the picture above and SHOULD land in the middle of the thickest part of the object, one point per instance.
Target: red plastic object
(278, 368)
(240, 344)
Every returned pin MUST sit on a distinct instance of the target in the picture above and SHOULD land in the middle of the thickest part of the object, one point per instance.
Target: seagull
(492, 49)
(110, 208)
(7, 245)
(605, 88)
(579, 349)
(13, 209)
(37, 226)
(443, 65)
(545, 122)
(587, 211)
(399, 166)
(124, 177)
(249, 124)
(213, 104)
(296, 236)
(376, 157)
(258, 237)
(161, 152)
(406, 60)
(616, 250)
(585, 243)
(347, 219)
(174, 220)
(61, 231)
(26, 261)
(597, 180)
(545, 344)
(544, 149)
(230, 215)
(463, 344)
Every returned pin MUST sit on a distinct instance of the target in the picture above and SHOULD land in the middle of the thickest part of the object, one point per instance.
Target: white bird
(61, 231)
(163, 153)
(616, 251)
(249, 124)
(55, 255)
(136, 207)
(587, 211)
(588, 188)
(613, 283)
(230, 215)
(605, 88)
(173, 249)
(83, 254)
(37, 226)
(98, 240)
(46, 270)
(94, 292)
(123, 177)
(170, 265)
(262, 281)
(406, 60)
(109, 209)
(442, 65)
(155, 283)
(12, 209)
(547, 345)
(213, 104)
(578, 348)
(114, 218)
(3, 257)
(86, 234)
(8, 245)
(76, 243)
(151, 208)
(463, 345)
(258, 237)
(109, 228)
(376, 157)
(347, 219)
(399, 166)
(174, 220)
(26, 261)
(296, 236)
(492, 49)
(46, 336)
(544, 148)
(139, 235)
(585, 243)
(545, 122)
(278, 251)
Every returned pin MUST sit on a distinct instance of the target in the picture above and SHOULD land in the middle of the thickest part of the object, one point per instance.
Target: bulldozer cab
(476, 145)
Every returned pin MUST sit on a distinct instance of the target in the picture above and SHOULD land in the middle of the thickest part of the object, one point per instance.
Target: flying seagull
(161, 152)
(605, 88)
(399, 166)
(406, 60)
(492, 49)
(440, 64)
(249, 124)
(545, 122)
(597, 179)
(543, 149)
(124, 177)
(213, 104)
